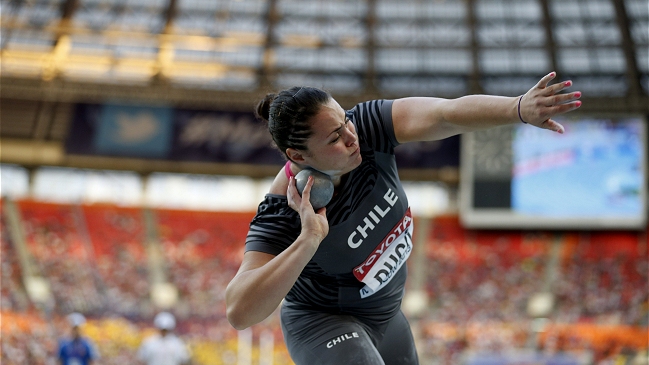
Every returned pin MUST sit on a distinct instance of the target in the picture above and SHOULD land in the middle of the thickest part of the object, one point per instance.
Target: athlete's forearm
(427, 119)
(254, 294)
(481, 111)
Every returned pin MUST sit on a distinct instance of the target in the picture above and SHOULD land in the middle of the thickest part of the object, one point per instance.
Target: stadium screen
(591, 177)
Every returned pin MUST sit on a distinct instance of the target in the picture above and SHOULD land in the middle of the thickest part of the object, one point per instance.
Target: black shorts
(315, 338)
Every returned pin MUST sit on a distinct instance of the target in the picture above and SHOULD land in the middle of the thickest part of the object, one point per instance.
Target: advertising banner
(159, 132)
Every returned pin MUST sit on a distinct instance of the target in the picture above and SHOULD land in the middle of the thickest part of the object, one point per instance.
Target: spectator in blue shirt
(76, 350)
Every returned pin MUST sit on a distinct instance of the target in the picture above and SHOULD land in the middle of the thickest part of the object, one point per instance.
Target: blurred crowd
(116, 238)
(609, 288)
(478, 285)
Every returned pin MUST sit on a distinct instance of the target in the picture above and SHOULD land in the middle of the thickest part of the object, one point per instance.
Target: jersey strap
(387, 258)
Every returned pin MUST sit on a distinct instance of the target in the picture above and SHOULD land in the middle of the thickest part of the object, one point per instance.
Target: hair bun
(263, 107)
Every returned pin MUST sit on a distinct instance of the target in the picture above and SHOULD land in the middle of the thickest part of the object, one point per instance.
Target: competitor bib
(387, 258)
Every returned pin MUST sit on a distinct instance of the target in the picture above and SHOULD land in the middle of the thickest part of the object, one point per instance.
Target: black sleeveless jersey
(359, 268)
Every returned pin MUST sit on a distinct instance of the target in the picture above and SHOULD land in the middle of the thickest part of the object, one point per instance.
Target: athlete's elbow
(235, 312)
(236, 318)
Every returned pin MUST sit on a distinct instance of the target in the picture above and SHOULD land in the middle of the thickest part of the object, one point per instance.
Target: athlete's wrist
(311, 238)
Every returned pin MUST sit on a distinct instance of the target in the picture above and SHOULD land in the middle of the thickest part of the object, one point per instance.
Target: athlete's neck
(335, 175)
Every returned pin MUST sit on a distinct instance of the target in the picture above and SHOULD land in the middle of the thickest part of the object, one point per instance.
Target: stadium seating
(13, 296)
(117, 236)
(478, 282)
(53, 237)
(605, 276)
(203, 251)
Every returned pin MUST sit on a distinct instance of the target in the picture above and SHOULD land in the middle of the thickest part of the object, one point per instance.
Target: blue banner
(127, 130)
(206, 135)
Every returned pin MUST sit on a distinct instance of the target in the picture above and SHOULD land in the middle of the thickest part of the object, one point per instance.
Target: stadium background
(131, 167)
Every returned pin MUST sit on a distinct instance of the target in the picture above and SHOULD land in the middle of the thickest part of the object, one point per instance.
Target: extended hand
(542, 102)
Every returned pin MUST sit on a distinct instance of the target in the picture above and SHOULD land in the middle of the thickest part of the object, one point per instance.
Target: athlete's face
(333, 147)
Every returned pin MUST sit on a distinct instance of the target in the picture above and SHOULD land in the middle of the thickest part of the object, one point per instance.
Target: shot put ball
(322, 190)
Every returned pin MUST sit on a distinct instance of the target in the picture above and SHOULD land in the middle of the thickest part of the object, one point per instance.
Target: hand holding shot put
(326, 262)
(322, 189)
(313, 222)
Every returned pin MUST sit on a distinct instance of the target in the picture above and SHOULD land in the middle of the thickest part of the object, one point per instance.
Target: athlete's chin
(356, 160)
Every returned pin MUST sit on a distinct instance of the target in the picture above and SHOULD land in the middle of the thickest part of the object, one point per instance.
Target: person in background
(77, 350)
(164, 348)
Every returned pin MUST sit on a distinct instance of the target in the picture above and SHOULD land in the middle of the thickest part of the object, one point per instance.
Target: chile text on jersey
(372, 244)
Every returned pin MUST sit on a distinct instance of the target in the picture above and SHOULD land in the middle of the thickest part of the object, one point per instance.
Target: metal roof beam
(475, 86)
(628, 47)
(266, 72)
(550, 45)
(370, 48)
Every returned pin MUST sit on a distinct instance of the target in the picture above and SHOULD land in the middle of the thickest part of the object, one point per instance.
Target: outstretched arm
(427, 119)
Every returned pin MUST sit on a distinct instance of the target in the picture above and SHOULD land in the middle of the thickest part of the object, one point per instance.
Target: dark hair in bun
(288, 114)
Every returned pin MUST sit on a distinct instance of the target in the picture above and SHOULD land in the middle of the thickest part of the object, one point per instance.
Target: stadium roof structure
(211, 53)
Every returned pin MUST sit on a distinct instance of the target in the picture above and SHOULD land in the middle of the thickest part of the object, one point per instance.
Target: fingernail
(553, 73)
(568, 83)
(578, 103)
(578, 94)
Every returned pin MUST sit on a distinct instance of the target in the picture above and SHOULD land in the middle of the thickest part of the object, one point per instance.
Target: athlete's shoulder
(279, 186)
(373, 122)
(372, 110)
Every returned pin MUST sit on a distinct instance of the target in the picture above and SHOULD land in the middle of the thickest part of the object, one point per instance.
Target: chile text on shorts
(347, 336)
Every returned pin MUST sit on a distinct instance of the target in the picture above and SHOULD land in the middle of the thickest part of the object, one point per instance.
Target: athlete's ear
(295, 155)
